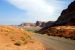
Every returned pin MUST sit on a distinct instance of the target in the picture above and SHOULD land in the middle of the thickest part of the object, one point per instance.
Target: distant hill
(38, 23)
(26, 24)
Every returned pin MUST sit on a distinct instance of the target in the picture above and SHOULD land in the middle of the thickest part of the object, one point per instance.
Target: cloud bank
(40, 9)
(34, 8)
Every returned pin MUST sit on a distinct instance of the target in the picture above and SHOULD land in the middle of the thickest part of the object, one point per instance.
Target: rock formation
(27, 24)
(67, 16)
(41, 24)
(64, 26)
(38, 23)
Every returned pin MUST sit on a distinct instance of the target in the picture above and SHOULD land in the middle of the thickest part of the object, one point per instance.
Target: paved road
(55, 43)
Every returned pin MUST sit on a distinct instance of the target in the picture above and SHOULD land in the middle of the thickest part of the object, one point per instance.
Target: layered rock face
(67, 16)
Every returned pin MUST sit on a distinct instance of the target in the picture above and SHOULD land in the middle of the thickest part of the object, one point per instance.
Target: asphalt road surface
(55, 43)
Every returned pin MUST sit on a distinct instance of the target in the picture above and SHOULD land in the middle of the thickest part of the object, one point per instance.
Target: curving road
(55, 43)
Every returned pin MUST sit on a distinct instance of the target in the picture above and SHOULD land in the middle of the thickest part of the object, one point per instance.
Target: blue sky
(19, 11)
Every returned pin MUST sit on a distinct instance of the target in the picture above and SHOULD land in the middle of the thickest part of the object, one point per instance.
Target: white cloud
(35, 8)
(43, 10)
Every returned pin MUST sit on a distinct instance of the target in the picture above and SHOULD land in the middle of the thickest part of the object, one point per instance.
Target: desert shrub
(18, 43)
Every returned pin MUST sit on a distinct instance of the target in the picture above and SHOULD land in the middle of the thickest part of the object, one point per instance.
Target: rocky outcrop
(39, 23)
(49, 23)
(64, 26)
(44, 24)
(67, 16)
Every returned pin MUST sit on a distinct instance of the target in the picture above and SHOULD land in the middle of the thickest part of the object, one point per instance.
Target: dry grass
(12, 38)
(61, 31)
(14, 34)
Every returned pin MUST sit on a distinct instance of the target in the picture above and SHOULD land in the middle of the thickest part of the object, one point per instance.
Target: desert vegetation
(13, 38)
(61, 31)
